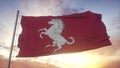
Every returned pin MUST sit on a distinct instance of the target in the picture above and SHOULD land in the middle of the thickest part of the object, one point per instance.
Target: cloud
(20, 63)
(112, 64)
(49, 7)
(40, 7)
(103, 57)
(2, 45)
(112, 61)
(115, 24)
(116, 21)
(2, 26)
(60, 7)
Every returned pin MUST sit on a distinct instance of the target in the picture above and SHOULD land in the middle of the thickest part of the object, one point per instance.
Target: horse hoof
(54, 50)
(47, 46)
(41, 37)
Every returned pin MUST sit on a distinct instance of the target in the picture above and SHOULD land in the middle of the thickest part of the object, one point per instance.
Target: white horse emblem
(54, 32)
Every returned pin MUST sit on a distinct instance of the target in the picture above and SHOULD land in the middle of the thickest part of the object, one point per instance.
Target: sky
(106, 57)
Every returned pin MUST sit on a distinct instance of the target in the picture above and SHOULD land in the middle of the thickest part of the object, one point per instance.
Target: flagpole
(11, 49)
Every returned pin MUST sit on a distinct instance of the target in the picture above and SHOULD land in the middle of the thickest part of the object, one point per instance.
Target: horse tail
(73, 40)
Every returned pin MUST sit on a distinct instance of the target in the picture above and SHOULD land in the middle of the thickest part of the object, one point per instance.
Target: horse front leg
(42, 34)
(43, 29)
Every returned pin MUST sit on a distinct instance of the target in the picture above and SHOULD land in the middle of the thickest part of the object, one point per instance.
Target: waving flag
(47, 35)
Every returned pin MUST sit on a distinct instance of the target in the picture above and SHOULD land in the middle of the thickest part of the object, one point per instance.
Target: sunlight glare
(76, 60)
(4, 52)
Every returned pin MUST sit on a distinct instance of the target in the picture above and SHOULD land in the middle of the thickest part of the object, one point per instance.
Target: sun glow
(4, 52)
(75, 60)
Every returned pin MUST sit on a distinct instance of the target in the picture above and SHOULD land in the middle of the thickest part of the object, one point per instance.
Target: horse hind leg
(59, 47)
(54, 43)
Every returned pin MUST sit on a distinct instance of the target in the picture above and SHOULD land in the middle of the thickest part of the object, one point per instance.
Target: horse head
(52, 22)
(57, 23)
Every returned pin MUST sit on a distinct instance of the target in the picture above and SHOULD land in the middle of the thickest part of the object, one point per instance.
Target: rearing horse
(54, 32)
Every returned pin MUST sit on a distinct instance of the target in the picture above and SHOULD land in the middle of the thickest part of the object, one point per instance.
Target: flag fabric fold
(48, 35)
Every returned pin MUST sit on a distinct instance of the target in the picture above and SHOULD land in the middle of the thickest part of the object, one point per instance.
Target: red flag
(48, 35)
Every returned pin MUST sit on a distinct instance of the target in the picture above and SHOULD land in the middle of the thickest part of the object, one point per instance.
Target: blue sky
(108, 8)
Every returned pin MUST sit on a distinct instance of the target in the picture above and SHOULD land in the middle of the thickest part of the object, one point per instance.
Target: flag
(48, 35)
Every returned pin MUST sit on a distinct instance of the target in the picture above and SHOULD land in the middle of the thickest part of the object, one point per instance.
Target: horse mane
(60, 25)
